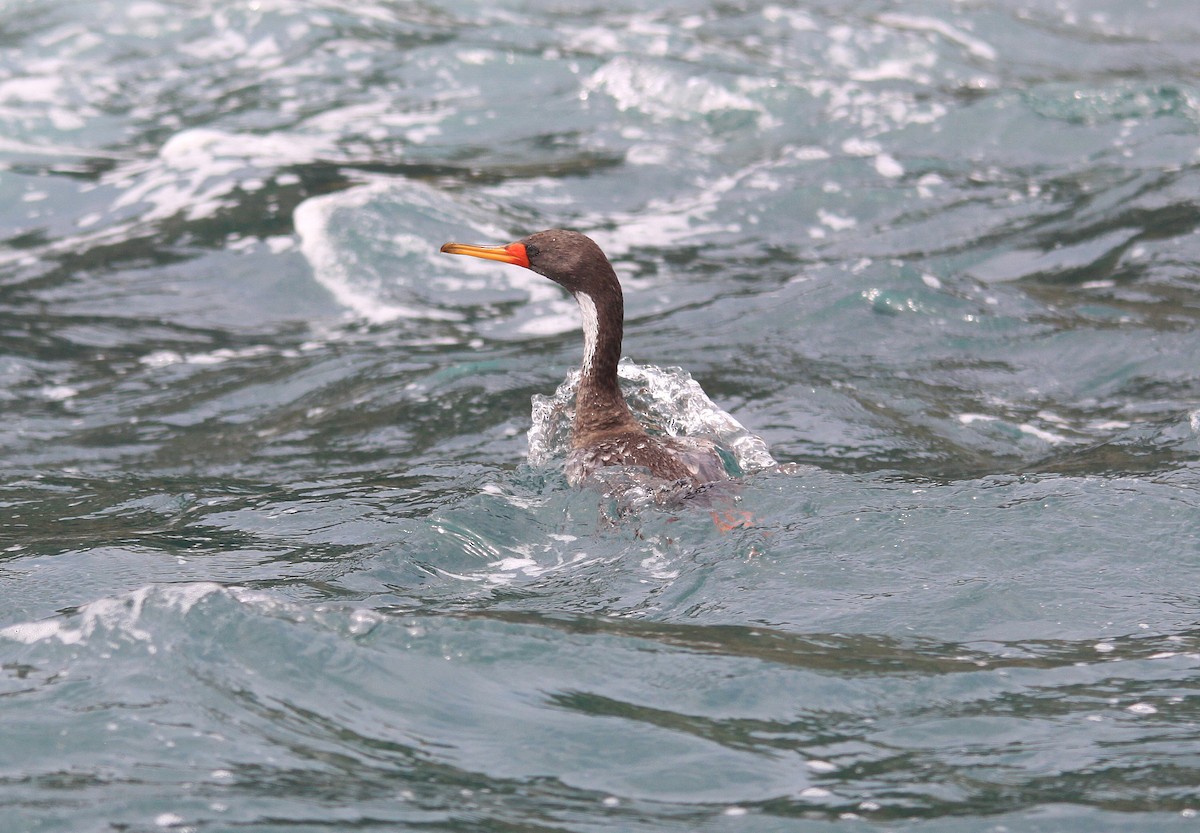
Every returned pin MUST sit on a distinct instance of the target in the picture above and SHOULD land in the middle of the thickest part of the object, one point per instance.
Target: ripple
(276, 555)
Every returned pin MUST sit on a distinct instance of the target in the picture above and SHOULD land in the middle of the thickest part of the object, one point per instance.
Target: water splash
(667, 400)
(120, 614)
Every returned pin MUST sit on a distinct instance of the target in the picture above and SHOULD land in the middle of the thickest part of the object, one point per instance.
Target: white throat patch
(587, 309)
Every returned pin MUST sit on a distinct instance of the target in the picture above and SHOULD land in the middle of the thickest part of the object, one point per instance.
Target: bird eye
(531, 251)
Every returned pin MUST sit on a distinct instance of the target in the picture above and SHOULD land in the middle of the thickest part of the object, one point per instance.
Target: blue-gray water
(272, 557)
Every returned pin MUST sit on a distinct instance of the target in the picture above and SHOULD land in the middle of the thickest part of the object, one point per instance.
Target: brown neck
(600, 408)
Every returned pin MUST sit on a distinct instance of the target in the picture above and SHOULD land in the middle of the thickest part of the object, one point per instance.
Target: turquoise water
(273, 555)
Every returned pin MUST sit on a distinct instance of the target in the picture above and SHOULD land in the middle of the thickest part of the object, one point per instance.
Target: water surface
(273, 554)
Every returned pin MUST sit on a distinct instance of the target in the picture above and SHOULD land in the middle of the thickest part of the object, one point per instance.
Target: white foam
(1042, 434)
(975, 46)
(896, 69)
(197, 171)
(505, 571)
(119, 613)
(335, 268)
(665, 222)
(873, 108)
(280, 243)
(861, 147)
(559, 316)
(663, 93)
(835, 221)
(887, 166)
(164, 358)
(31, 632)
(798, 20)
(810, 153)
(58, 393)
(31, 89)
(1025, 427)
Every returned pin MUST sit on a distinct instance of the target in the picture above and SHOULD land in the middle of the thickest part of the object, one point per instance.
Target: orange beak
(512, 253)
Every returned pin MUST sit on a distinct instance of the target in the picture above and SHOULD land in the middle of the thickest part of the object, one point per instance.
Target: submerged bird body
(604, 431)
(694, 463)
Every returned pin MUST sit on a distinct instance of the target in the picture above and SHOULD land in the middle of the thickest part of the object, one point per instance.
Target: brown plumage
(604, 431)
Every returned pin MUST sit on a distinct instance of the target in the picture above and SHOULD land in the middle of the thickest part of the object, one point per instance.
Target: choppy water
(273, 557)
